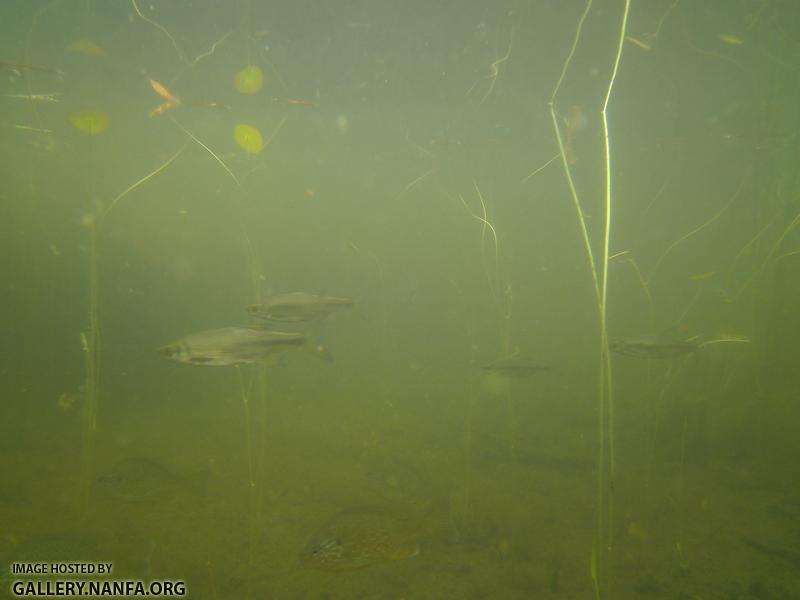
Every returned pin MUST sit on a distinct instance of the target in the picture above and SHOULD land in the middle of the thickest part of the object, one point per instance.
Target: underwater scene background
(567, 238)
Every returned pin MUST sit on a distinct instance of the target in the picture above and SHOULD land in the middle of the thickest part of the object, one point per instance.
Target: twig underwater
(163, 30)
(697, 229)
(209, 52)
(540, 168)
(33, 129)
(787, 255)
(139, 182)
(653, 36)
(745, 249)
(494, 71)
(486, 225)
(495, 67)
(26, 52)
(207, 149)
(51, 97)
(189, 65)
(775, 247)
(414, 182)
(625, 257)
(21, 66)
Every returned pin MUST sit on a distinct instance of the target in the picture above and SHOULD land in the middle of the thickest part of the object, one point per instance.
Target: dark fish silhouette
(516, 367)
(297, 307)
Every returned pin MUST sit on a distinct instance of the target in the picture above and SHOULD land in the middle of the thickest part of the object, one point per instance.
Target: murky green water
(168, 164)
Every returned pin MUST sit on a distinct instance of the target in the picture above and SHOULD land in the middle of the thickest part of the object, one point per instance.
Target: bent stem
(599, 516)
(775, 247)
(132, 187)
(696, 230)
(540, 168)
(625, 258)
(503, 298)
(604, 348)
(207, 149)
(494, 282)
(91, 338)
(425, 175)
(163, 30)
(604, 532)
(495, 67)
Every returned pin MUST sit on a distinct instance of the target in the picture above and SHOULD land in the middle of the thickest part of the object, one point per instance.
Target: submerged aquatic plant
(605, 489)
(91, 122)
(94, 122)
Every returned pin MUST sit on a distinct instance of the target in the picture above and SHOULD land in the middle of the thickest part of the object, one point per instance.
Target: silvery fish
(297, 307)
(230, 346)
(360, 536)
(515, 367)
(653, 347)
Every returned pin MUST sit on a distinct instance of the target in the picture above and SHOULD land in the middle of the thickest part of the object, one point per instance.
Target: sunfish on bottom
(363, 535)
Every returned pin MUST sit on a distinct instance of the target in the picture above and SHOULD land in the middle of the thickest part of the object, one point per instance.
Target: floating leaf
(249, 80)
(87, 47)
(89, 121)
(249, 138)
